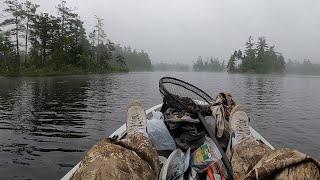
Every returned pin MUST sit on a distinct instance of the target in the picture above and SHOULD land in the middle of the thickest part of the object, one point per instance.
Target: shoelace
(136, 122)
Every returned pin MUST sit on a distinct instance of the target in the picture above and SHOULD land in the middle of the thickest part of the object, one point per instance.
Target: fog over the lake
(181, 30)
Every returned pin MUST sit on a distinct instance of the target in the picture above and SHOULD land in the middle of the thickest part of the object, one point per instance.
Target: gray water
(47, 123)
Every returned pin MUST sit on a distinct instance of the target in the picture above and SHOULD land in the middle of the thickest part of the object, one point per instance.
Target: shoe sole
(237, 108)
(139, 110)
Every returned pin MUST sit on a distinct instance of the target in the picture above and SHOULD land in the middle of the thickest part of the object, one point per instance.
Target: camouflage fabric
(219, 114)
(228, 102)
(221, 108)
(252, 159)
(131, 158)
(285, 164)
(135, 157)
(246, 155)
(224, 140)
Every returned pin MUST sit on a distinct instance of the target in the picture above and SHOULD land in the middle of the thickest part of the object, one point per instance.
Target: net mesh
(172, 86)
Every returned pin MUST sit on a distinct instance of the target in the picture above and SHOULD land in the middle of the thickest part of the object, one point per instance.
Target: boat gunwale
(121, 132)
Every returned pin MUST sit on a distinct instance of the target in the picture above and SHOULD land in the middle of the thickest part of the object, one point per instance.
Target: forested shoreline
(304, 68)
(179, 67)
(257, 57)
(35, 43)
(212, 64)
(261, 58)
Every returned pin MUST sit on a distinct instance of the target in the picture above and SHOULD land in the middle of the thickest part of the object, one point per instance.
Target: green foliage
(59, 44)
(208, 65)
(133, 59)
(7, 50)
(171, 67)
(232, 63)
(257, 58)
(14, 24)
(29, 14)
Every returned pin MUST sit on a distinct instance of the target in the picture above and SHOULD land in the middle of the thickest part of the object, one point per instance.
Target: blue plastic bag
(159, 134)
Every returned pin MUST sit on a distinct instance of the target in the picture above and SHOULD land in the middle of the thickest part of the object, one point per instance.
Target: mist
(182, 30)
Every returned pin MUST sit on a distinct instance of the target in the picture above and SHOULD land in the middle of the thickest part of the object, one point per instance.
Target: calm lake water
(47, 123)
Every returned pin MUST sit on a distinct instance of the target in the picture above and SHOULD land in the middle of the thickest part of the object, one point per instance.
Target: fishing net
(172, 86)
(186, 97)
(183, 95)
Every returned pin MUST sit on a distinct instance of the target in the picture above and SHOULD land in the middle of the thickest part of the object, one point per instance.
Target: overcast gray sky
(181, 30)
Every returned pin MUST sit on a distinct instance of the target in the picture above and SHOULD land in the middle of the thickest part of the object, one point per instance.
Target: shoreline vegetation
(208, 65)
(68, 70)
(179, 67)
(257, 58)
(40, 44)
(33, 43)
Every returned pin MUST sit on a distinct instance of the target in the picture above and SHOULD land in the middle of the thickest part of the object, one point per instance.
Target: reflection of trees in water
(268, 89)
(57, 106)
(262, 88)
(40, 117)
(46, 105)
(14, 99)
(263, 93)
(43, 107)
(103, 99)
(264, 97)
(8, 94)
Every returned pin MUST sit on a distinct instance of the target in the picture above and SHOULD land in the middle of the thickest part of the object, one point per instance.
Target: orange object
(210, 174)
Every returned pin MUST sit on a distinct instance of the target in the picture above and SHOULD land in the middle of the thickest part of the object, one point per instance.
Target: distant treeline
(133, 59)
(257, 58)
(208, 65)
(171, 67)
(40, 43)
(306, 67)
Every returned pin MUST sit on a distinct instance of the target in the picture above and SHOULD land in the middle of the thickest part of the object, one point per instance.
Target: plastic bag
(157, 115)
(207, 154)
(159, 134)
(176, 165)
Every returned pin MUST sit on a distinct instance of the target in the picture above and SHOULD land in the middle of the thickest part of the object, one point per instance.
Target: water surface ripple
(47, 123)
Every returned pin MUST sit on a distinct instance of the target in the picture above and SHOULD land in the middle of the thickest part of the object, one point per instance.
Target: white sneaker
(239, 125)
(136, 119)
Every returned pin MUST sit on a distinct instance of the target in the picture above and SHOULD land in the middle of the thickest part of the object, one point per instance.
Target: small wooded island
(259, 58)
